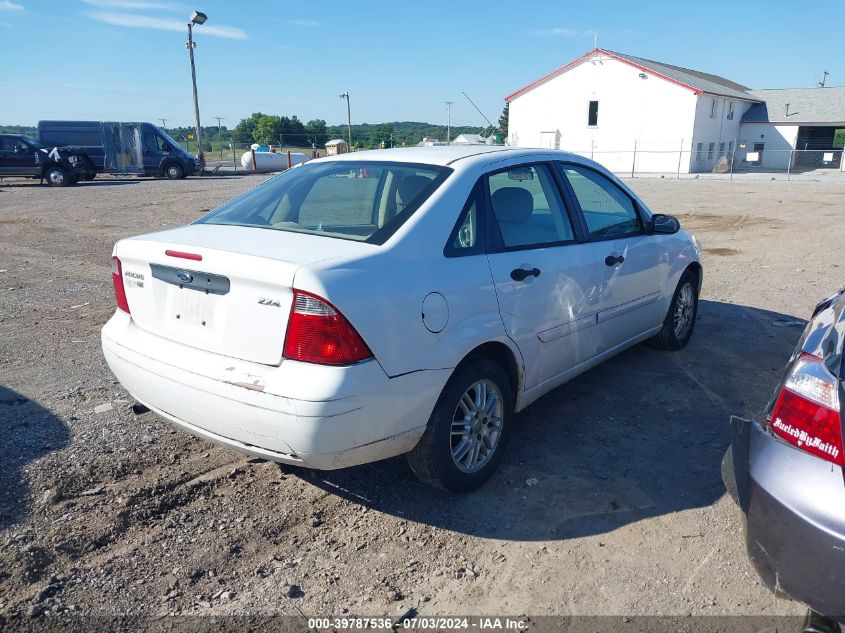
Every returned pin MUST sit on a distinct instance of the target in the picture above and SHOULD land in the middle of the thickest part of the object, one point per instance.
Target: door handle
(610, 260)
(520, 274)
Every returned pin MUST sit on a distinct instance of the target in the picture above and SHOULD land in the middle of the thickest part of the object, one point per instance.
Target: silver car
(786, 472)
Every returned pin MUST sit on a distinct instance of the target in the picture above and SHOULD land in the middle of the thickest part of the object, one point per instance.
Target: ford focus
(373, 304)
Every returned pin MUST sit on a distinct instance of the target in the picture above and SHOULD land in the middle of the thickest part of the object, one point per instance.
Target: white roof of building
(476, 139)
(336, 141)
(694, 80)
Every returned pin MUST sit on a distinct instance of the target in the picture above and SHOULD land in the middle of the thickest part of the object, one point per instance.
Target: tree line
(290, 131)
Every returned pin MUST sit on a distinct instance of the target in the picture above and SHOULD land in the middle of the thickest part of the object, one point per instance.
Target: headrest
(512, 204)
(410, 187)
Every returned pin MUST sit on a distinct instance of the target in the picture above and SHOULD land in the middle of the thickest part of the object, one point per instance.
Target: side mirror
(664, 224)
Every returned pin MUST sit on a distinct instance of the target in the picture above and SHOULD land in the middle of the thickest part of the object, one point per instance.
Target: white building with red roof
(634, 114)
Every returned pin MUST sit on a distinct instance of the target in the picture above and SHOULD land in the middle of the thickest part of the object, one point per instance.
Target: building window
(730, 114)
(721, 149)
(593, 114)
(698, 148)
(712, 108)
(710, 148)
(730, 147)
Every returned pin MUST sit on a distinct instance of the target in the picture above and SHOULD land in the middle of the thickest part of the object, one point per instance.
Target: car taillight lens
(806, 413)
(319, 333)
(117, 282)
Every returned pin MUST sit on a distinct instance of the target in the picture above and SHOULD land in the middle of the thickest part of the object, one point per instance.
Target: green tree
(267, 129)
(380, 135)
(316, 130)
(293, 131)
(243, 132)
(503, 121)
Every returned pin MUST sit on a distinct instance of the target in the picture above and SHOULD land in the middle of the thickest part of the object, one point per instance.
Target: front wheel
(58, 176)
(680, 319)
(468, 429)
(174, 171)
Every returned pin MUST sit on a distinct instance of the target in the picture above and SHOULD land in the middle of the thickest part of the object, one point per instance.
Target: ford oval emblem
(184, 276)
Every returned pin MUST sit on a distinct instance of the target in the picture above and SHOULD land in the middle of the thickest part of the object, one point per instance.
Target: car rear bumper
(296, 413)
(794, 505)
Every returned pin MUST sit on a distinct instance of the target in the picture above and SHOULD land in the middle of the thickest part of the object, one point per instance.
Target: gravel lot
(609, 500)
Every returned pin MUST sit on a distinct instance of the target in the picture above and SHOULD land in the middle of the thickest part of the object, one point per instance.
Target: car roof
(446, 154)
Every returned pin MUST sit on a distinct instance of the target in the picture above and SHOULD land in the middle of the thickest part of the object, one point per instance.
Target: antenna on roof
(595, 39)
(824, 79)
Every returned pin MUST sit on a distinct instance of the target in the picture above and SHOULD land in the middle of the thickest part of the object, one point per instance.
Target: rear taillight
(319, 333)
(806, 413)
(117, 282)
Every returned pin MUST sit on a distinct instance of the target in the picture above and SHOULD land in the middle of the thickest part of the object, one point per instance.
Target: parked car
(785, 471)
(122, 148)
(21, 155)
(366, 305)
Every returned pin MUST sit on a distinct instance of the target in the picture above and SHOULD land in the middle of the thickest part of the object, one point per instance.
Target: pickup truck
(21, 155)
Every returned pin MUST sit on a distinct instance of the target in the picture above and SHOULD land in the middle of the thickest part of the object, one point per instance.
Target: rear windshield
(363, 201)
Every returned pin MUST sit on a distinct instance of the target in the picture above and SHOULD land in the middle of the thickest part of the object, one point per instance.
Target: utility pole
(345, 95)
(196, 18)
(449, 122)
(219, 137)
(163, 124)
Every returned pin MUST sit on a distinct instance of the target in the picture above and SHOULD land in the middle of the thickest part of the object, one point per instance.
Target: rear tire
(680, 319)
(468, 429)
(728, 476)
(174, 171)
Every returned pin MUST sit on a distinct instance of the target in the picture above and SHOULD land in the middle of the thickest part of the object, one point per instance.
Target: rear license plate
(192, 306)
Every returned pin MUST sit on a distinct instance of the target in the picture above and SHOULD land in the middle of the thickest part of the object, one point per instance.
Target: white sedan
(372, 304)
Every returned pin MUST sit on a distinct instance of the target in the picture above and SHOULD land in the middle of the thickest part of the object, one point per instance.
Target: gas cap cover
(435, 312)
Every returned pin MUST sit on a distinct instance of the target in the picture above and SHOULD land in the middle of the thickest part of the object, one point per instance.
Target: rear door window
(528, 208)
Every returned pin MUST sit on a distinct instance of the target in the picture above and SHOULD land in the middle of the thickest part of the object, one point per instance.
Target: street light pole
(449, 122)
(219, 137)
(196, 18)
(345, 95)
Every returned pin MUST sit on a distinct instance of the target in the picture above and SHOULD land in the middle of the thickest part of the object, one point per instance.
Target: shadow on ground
(639, 436)
(27, 432)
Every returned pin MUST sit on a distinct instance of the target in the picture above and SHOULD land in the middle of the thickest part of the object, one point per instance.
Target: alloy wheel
(684, 310)
(476, 426)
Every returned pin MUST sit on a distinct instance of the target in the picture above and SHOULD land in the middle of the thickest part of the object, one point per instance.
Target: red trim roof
(562, 69)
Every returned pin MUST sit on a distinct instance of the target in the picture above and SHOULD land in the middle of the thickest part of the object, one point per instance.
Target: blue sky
(126, 59)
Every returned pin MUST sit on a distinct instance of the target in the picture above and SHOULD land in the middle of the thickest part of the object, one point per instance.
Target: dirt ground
(609, 500)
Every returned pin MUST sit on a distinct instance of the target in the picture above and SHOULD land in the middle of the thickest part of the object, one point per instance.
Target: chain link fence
(722, 159)
(717, 159)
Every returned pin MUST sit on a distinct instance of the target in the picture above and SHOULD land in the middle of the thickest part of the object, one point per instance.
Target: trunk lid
(235, 300)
